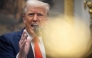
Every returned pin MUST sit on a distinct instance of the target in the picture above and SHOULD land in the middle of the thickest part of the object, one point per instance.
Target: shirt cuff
(17, 55)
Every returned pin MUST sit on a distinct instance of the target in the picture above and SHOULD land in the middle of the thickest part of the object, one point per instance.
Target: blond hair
(36, 3)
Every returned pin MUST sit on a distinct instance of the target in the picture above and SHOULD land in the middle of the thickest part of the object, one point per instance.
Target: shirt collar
(39, 38)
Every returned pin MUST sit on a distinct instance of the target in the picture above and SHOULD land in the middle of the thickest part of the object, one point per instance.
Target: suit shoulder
(10, 34)
(9, 38)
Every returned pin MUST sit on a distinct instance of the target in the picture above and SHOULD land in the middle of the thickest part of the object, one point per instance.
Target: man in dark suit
(21, 44)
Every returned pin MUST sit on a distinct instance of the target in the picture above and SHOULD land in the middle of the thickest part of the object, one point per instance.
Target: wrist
(21, 56)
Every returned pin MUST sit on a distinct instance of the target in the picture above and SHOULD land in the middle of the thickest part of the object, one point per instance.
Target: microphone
(37, 30)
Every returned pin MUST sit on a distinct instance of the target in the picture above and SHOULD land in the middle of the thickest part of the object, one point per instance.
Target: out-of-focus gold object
(68, 7)
(62, 39)
(88, 3)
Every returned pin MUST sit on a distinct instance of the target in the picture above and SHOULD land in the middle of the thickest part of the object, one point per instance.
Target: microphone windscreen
(36, 29)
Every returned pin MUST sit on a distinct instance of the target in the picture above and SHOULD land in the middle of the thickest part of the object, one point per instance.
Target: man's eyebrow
(30, 13)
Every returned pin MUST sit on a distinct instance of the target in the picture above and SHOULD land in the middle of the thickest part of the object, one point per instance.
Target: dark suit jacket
(9, 45)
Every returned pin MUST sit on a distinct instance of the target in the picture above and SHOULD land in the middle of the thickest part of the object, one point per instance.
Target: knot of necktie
(35, 40)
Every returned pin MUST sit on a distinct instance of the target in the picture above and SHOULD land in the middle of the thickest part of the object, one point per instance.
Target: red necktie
(37, 49)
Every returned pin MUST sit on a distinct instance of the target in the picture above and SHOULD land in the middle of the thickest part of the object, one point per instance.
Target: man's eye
(39, 14)
(31, 14)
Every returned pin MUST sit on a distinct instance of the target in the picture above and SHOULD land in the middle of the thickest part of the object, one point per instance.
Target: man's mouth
(34, 25)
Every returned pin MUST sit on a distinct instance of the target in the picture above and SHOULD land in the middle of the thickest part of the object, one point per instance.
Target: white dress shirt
(41, 46)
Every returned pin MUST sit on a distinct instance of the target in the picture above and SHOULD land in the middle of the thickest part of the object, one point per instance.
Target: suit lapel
(30, 53)
(20, 33)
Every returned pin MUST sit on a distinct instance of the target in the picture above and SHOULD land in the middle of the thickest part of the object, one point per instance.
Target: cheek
(43, 21)
(28, 20)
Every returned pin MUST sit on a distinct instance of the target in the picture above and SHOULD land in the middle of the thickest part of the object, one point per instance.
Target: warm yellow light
(63, 38)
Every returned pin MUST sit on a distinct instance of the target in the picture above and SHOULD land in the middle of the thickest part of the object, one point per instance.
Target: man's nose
(35, 19)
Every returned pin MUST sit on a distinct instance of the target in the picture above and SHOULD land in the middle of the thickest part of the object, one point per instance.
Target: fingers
(23, 38)
(28, 40)
(27, 44)
(24, 44)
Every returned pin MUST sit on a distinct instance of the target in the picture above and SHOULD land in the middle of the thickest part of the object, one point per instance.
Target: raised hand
(24, 45)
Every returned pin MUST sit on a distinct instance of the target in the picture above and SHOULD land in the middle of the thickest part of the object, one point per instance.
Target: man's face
(35, 16)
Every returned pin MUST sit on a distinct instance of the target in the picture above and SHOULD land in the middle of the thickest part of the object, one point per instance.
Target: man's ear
(24, 19)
